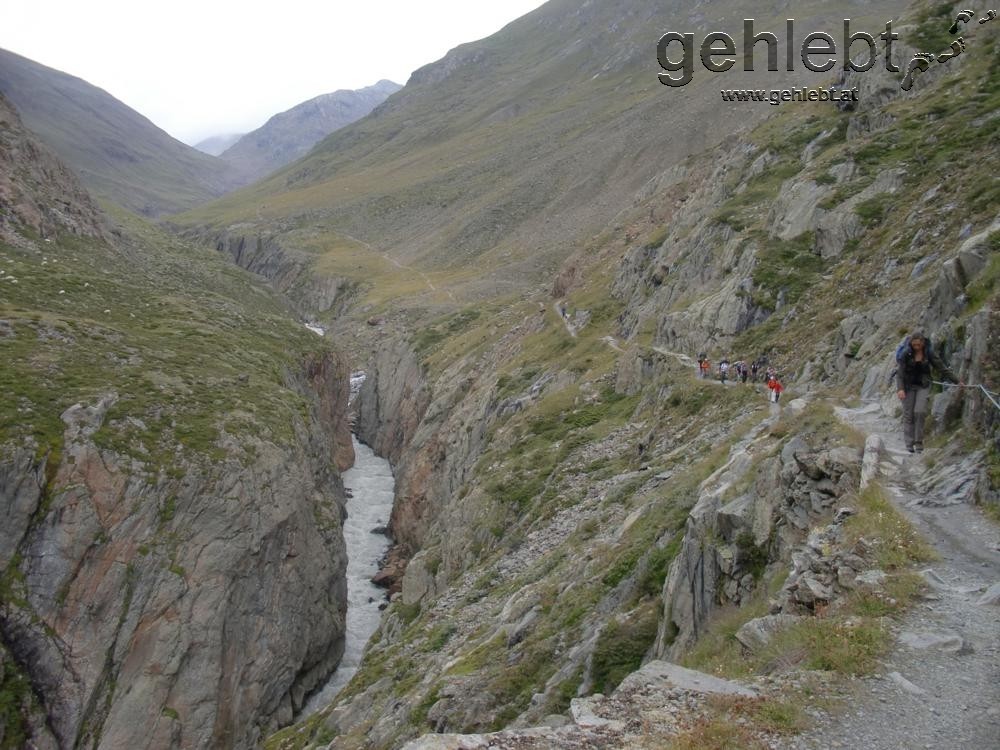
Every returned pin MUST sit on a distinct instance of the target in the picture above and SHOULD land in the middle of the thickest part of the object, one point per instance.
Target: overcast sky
(220, 66)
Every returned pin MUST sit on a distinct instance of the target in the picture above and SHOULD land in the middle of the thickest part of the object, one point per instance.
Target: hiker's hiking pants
(914, 413)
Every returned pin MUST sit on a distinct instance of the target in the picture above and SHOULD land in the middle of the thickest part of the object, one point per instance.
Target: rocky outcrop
(654, 704)
(37, 191)
(731, 538)
(290, 273)
(432, 440)
(182, 609)
(392, 400)
(330, 379)
(697, 283)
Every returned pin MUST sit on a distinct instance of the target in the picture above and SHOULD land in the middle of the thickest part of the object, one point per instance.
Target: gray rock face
(289, 272)
(185, 611)
(392, 401)
(702, 261)
(686, 679)
(55, 201)
(726, 546)
(757, 633)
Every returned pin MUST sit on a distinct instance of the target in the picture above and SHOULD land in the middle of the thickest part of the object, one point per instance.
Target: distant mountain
(510, 151)
(289, 135)
(216, 144)
(118, 154)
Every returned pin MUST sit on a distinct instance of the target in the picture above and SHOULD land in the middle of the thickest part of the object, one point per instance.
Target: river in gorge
(371, 486)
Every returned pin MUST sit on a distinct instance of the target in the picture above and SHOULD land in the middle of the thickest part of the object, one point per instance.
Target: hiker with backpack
(723, 370)
(915, 358)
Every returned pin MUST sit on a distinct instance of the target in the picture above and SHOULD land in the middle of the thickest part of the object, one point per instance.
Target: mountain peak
(289, 135)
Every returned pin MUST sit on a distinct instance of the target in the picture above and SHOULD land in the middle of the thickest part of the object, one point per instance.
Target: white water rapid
(371, 483)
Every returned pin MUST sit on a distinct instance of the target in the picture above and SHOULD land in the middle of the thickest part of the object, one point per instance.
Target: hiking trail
(939, 687)
(401, 266)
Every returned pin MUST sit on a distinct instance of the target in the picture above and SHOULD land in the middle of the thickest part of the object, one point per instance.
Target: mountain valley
(524, 249)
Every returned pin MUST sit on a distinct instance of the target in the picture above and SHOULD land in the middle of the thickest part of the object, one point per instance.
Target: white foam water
(372, 486)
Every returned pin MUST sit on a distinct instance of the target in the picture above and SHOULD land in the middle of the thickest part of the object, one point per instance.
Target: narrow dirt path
(940, 685)
(682, 357)
(401, 266)
(613, 343)
(565, 319)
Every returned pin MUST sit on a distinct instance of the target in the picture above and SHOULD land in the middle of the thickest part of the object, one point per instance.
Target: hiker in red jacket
(775, 389)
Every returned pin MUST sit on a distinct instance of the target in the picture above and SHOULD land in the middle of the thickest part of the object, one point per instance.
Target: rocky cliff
(36, 190)
(171, 550)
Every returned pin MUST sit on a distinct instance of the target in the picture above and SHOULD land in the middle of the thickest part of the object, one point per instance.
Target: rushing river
(371, 486)
(371, 483)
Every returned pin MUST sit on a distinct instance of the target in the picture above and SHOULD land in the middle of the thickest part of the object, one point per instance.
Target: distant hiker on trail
(723, 370)
(754, 370)
(914, 359)
(706, 367)
(774, 388)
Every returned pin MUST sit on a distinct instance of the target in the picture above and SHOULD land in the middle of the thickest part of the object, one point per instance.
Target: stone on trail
(906, 685)
(946, 641)
(584, 715)
(683, 678)
(992, 596)
(447, 742)
(757, 633)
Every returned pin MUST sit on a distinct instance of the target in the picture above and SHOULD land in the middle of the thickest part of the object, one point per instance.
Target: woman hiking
(914, 360)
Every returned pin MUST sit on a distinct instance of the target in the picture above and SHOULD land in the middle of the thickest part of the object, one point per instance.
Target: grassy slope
(119, 154)
(512, 151)
(167, 328)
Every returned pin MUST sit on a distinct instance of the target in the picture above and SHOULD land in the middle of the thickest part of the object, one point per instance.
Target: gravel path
(940, 685)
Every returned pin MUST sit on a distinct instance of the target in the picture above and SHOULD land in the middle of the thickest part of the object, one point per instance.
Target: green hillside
(509, 152)
(118, 154)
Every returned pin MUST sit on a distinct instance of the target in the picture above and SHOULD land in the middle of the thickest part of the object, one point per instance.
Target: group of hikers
(915, 362)
(757, 371)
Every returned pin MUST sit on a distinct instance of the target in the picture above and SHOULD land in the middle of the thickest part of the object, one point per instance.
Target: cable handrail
(989, 394)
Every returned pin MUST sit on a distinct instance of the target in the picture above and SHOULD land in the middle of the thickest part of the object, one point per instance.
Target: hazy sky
(220, 66)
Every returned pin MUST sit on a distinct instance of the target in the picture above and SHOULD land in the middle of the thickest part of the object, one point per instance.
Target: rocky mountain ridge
(504, 153)
(116, 152)
(216, 144)
(289, 135)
